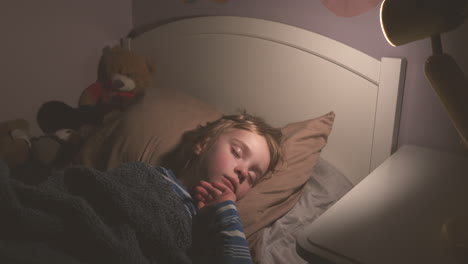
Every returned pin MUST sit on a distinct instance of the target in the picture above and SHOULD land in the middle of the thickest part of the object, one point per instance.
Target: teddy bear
(122, 79)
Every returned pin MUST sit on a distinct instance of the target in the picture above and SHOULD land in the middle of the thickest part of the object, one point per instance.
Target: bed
(337, 107)
(285, 74)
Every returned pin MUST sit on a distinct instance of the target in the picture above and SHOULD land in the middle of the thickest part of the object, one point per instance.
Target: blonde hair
(208, 135)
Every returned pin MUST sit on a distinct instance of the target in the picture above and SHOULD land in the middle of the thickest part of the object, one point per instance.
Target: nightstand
(395, 214)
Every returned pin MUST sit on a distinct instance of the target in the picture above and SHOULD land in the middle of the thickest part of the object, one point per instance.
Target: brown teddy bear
(123, 77)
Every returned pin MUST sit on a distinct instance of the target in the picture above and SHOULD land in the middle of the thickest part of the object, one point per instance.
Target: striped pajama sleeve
(229, 227)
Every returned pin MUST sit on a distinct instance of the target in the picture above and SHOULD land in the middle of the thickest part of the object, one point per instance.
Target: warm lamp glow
(382, 26)
(404, 21)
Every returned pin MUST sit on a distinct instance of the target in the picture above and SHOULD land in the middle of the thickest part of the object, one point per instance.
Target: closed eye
(235, 152)
(252, 178)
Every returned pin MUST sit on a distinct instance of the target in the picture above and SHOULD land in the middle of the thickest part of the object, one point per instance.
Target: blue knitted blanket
(80, 215)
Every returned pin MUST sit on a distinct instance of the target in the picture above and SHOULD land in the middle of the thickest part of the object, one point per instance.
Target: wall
(50, 50)
(423, 121)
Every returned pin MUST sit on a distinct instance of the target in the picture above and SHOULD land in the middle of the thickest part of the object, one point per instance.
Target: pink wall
(424, 120)
(50, 50)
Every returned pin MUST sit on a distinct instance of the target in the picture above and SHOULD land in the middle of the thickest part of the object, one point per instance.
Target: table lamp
(404, 21)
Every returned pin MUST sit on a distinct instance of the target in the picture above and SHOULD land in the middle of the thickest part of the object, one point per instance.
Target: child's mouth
(230, 183)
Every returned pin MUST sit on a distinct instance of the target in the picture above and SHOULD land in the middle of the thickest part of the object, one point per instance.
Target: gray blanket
(80, 215)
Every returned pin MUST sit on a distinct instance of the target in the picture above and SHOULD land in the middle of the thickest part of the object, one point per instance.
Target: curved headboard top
(295, 37)
(284, 74)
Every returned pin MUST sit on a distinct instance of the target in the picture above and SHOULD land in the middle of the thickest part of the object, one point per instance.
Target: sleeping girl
(141, 213)
(223, 161)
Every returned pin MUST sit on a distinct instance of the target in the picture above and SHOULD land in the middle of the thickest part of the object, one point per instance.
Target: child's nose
(241, 173)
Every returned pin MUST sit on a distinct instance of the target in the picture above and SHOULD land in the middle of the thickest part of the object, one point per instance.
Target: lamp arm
(436, 44)
(451, 85)
(465, 11)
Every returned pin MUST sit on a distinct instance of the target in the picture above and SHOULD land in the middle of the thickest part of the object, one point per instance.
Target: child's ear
(200, 146)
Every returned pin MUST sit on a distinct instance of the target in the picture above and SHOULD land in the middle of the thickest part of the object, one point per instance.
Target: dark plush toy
(65, 129)
(56, 115)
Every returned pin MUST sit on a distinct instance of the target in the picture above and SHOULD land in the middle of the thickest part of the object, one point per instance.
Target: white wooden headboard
(284, 74)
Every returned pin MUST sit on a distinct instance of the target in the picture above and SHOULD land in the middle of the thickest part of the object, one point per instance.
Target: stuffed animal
(122, 79)
(31, 159)
(17, 146)
(65, 128)
(56, 116)
(14, 142)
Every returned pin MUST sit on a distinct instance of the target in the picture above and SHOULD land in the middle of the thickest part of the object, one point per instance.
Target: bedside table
(395, 214)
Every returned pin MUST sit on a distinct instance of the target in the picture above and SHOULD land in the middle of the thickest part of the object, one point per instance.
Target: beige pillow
(277, 193)
(147, 130)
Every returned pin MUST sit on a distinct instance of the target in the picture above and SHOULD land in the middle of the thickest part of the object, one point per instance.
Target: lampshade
(404, 21)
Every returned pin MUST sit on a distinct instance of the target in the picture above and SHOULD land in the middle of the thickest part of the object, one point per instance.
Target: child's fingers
(201, 190)
(229, 184)
(199, 197)
(227, 193)
(200, 205)
(202, 194)
(221, 187)
(212, 193)
(211, 190)
(216, 187)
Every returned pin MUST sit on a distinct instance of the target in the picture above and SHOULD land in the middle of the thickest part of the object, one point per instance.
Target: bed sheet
(325, 187)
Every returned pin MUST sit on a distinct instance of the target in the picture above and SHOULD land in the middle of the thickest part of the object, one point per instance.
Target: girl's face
(238, 159)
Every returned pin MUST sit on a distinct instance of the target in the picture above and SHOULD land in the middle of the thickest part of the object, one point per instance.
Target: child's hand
(209, 194)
